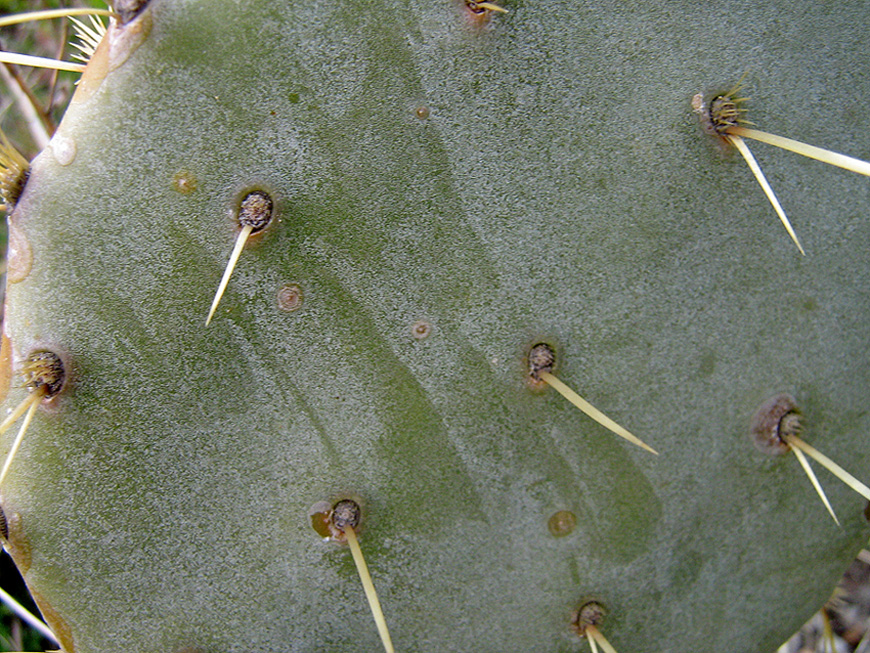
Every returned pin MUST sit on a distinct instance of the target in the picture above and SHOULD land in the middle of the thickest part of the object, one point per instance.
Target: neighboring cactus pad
(448, 188)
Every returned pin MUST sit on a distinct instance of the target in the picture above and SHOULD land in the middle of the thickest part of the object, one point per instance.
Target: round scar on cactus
(421, 329)
(255, 213)
(345, 519)
(43, 374)
(562, 523)
(290, 297)
(184, 182)
(542, 360)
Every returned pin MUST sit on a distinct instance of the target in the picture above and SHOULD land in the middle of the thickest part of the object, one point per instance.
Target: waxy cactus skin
(448, 190)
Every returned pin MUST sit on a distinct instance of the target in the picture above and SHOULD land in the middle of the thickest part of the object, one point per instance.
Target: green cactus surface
(449, 189)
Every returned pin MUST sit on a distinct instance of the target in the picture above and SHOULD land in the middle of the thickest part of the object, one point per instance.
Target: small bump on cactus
(587, 621)
(254, 215)
(724, 117)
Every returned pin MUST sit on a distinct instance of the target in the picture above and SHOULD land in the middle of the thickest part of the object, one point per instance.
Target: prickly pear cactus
(443, 189)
